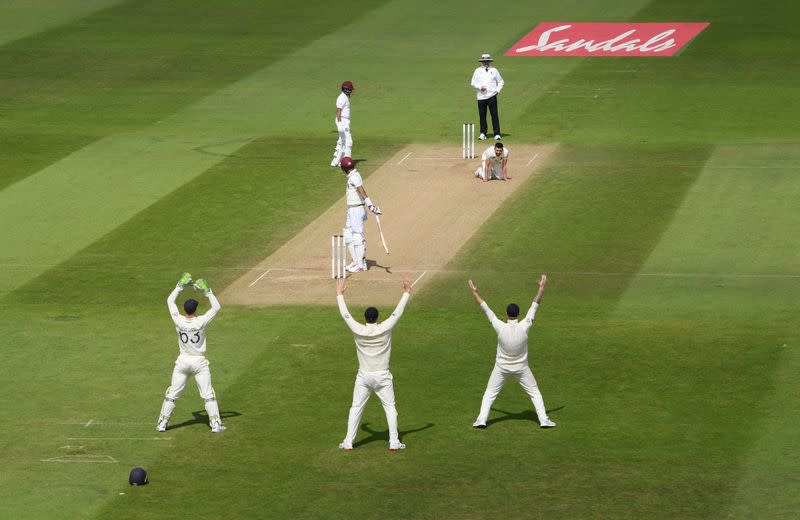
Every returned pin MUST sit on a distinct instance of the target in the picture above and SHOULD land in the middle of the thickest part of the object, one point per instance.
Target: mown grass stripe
(24, 18)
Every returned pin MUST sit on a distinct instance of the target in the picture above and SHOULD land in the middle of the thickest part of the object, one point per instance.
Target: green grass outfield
(141, 139)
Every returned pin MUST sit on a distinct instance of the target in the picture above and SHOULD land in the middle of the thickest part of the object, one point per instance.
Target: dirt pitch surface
(432, 204)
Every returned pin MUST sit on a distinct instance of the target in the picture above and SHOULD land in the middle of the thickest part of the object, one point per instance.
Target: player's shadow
(375, 435)
(201, 417)
(374, 263)
(525, 415)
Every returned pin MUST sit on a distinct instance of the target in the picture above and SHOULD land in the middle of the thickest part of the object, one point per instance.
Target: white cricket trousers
(344, 144)
(186, 366)
(495, 173)
(354, 234)
(496, 382)
(381, 384)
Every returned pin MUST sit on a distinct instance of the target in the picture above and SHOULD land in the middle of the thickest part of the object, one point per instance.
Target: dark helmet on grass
(138, 477)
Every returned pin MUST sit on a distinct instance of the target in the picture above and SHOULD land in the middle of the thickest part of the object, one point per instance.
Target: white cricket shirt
(373, 340)
(351, 193)
(191, 331)
(491, 79)
(343, 102)
(494, 160)
(512, 338)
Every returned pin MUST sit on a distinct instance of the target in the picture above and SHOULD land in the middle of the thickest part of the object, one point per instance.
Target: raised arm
(215, 307)
(185, 279)
(485, 306)
(348, 319)
(538, 298)
(202, 285)
(398, 311)
(173, 308)
(542, 283)
(474, 290)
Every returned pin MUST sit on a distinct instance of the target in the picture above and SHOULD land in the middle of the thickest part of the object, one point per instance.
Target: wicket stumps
(338, 256)
(468, 140)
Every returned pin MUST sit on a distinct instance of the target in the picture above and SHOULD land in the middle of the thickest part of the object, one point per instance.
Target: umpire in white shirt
(374, 348)
(512, 357)
(488, 83)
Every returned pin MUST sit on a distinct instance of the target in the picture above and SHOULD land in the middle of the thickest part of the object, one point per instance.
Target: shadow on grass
(383, 435)
(525, 415)
(201, 417)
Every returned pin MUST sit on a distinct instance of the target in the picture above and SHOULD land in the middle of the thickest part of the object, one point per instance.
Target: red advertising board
(606, 39)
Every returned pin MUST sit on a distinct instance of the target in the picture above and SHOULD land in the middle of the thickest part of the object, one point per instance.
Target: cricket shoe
(482, 137)
(345, 447)
(479, 425)
(396, 446)
(547, 423)
(161, 426)
(356, 268)
(497, 137)
(218, 427)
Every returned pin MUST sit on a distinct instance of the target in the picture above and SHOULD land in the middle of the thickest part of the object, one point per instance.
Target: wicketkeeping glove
(185, 280)
(202, 285)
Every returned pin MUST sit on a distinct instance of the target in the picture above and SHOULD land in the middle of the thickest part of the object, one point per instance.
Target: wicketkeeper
(373, 348)
(512, 356)
(191, 360)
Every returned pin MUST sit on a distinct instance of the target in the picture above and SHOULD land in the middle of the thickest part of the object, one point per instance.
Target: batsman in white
(356, 198)
(512, 356)
(494, 164)
(191, 360)
(373, 348)
(344, 144)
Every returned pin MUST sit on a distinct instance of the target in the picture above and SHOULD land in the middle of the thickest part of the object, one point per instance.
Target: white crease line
(532, 159)
(404, 158)
(119, 438)
(88, 423)
(419, 278)
(96, 459)
(260, 277)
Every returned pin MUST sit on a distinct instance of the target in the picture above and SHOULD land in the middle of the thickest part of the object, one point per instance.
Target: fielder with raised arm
(373, 348)
(191, 360)
(356, 198)
(512, 356)
(494, 164)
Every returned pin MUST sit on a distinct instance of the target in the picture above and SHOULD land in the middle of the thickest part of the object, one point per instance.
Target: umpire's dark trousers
(491, 104)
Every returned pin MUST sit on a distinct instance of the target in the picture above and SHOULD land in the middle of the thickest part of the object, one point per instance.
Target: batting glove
(202, 285)
(376, 210)
(185, 280)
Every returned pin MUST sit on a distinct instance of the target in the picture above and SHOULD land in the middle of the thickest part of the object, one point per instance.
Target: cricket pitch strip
(432, 205)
